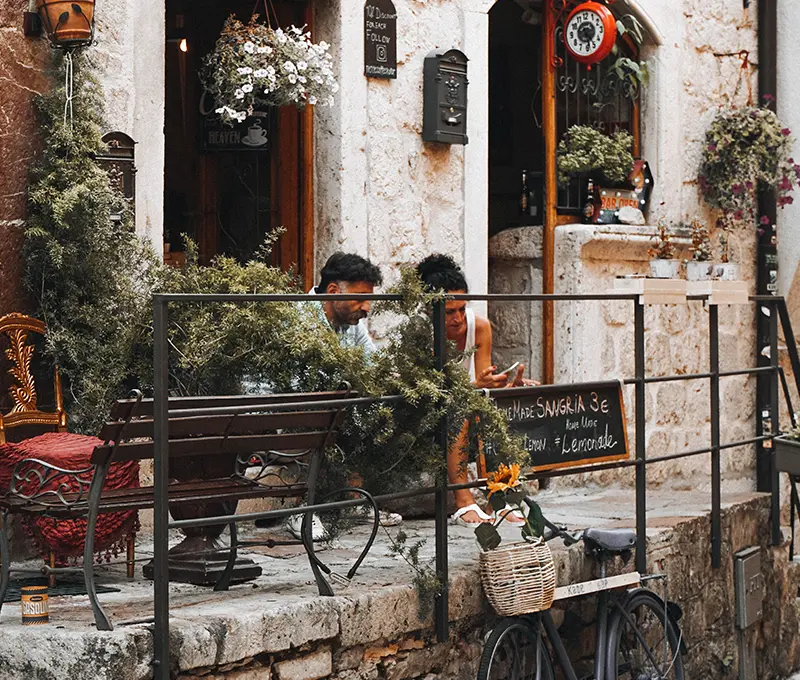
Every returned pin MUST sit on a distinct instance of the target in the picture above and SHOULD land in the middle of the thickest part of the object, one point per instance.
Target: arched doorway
(228, 188)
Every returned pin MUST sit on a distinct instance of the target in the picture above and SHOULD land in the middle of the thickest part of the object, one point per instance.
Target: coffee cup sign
(256, 135)
(567, 425)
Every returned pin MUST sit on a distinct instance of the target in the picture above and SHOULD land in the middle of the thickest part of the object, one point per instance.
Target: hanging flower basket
(744, 148)
(255, 65)
(68, 24)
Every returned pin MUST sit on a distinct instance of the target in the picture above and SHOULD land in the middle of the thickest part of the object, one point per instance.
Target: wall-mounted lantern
(68, 24)
(118, 162)
(445, 97)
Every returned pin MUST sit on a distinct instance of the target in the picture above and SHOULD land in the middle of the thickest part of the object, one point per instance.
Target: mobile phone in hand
(509, 369)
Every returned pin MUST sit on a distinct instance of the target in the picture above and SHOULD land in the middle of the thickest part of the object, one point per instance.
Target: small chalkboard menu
(567, 425)
(380, 39)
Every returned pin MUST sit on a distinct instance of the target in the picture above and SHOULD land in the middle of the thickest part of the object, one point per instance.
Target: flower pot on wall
(698, 271)
(68, 24)
(664, 269)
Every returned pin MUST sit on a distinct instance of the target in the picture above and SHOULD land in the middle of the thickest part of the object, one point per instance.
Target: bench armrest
(46, 484)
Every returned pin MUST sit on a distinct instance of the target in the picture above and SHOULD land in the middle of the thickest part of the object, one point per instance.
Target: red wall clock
(590, 32)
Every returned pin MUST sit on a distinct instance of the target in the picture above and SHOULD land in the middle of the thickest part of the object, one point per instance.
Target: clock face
(584, 33)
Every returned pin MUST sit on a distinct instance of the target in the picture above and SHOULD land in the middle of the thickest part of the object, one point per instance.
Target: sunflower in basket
(507, 496)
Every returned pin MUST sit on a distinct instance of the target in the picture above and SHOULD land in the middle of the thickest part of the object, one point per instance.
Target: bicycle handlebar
(555, 531)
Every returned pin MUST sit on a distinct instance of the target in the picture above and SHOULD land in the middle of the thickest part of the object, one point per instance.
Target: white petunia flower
(266, 49)
(244, 70)
(249, 47)
(239, 94)
(247, 87)
(302, 66)
(312, 100)
(288, 66)
(302, 79)
(292, 78)
(260, 73)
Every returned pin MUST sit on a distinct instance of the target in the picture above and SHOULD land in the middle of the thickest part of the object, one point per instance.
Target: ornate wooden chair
(45, 438)
(25, 411)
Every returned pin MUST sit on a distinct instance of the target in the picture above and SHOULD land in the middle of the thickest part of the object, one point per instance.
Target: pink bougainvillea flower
(786, 132)
(768, 98)
(712, 147)
(785, 184)
(737, 189)
(748, 184)
(739, 215)
(764, 220)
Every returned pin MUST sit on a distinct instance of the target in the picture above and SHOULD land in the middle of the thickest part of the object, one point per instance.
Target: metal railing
(640, 460)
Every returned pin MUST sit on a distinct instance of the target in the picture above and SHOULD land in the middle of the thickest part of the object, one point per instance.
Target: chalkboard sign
(380, 39)
(567, 425)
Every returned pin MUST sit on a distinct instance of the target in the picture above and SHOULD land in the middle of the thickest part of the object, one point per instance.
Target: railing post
(641, 470)
(716, 477)
(442, 613)
(777, 537)
(160, 482)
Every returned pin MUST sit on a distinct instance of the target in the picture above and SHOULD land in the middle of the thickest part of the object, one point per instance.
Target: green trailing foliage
(80, 266)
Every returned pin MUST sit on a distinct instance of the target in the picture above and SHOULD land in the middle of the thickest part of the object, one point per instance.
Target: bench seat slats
(144, 498)
(250, 423)
(145, 408)
(207, 446)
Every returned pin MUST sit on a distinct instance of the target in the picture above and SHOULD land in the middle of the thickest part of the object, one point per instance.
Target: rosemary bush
(585, 149)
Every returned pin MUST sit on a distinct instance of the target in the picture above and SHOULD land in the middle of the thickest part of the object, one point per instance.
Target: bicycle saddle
(611, 540)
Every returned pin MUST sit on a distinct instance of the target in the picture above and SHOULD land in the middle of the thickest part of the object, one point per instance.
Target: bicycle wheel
(642, 643)
(515, 650)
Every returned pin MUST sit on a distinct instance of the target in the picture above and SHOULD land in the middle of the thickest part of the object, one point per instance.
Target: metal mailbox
(445, 97)
(749, 586)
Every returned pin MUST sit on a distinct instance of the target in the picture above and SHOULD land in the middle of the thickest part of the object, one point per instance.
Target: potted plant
(745, 148)
(699, 267)
(584, 149)
(518, 578)
(255, 65)
(663, 264)
(787, 451)
(725, 270)
(68, 23)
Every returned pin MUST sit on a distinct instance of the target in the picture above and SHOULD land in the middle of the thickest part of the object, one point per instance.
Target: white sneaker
(385, 518)
(294, 525)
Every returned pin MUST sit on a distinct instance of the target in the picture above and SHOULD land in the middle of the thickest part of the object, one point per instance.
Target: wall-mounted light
(182, 45)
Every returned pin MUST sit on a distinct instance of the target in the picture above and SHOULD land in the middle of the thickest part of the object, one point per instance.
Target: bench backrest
(205, 426)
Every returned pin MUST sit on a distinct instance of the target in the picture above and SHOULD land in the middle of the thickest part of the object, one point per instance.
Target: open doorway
(516, 145)
(228, 188)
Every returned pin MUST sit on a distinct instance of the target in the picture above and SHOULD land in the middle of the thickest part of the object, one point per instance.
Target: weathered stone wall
(22, 64)
(382, 640)
(380, 190)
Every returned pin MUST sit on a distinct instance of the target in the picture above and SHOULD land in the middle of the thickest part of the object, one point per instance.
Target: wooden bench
(252, 436)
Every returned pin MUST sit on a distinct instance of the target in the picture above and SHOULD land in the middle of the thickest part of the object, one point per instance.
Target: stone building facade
(381, 191)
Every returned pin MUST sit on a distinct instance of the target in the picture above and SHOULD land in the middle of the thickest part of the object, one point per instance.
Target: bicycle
(637, 632)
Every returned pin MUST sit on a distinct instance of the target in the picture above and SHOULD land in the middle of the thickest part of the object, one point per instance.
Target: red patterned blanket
(66, 537)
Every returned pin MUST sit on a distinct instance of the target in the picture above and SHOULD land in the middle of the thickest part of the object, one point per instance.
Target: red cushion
(72, 452)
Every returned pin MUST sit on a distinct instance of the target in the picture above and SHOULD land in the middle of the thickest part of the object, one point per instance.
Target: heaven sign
(567, 425)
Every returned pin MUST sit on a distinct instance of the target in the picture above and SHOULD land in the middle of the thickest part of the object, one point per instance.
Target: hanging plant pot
(68, 24)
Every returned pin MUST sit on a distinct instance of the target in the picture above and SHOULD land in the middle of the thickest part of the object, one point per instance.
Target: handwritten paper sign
(380, 39)
(567, 425)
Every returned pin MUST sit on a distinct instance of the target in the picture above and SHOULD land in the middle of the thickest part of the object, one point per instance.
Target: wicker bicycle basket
(519, 578)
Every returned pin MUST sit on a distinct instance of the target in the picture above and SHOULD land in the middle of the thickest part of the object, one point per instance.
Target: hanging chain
(68, 87)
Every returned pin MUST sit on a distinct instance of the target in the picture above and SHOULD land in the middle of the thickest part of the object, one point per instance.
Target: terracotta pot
(664, 269)
(68, 22)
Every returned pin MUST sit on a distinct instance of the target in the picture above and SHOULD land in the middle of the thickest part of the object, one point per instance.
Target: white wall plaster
(130, 55)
